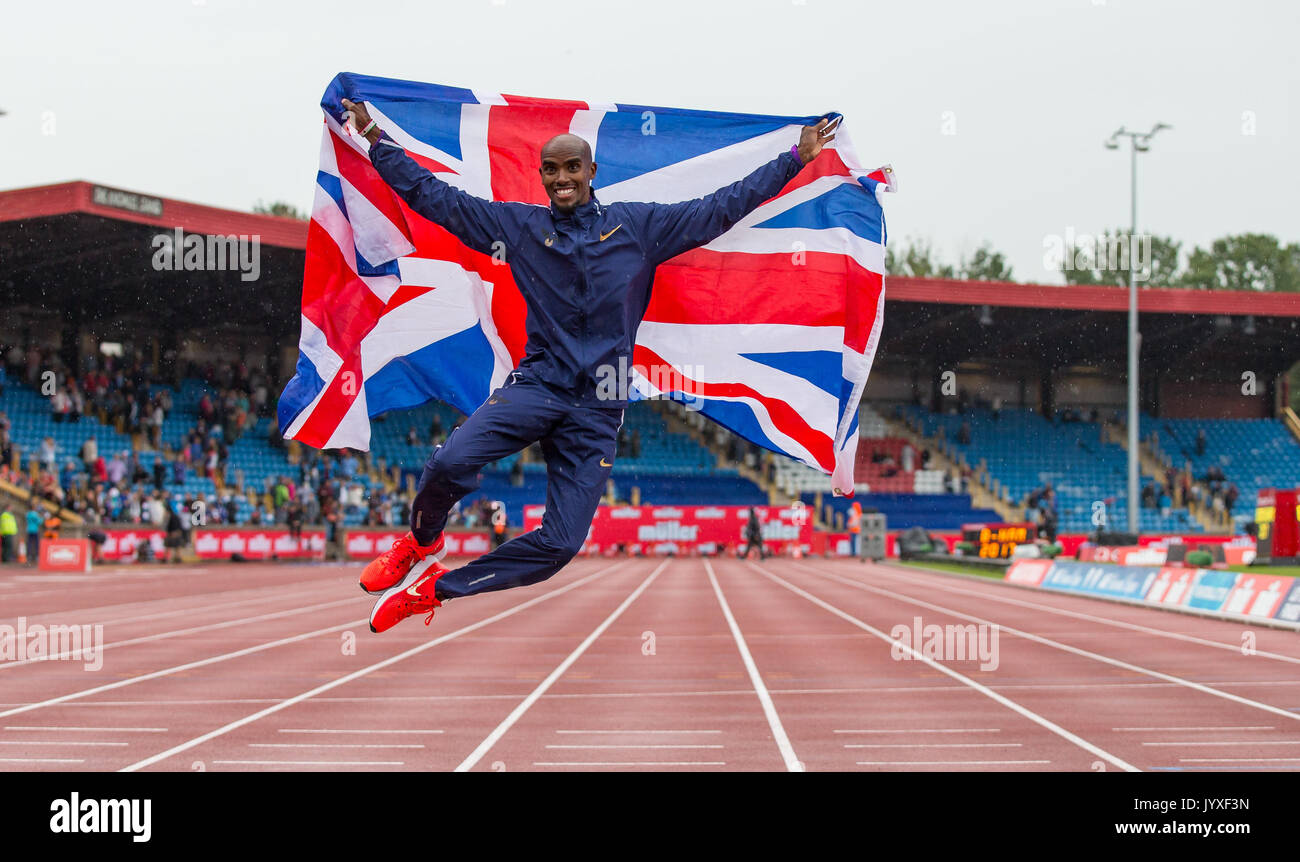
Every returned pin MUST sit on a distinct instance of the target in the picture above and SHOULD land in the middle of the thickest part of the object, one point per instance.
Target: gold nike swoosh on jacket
(605, 236)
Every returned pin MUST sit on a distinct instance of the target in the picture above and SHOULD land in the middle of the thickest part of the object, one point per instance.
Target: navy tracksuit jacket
(585, 277)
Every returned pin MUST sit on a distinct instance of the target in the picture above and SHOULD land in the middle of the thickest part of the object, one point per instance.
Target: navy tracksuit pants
(579, 445)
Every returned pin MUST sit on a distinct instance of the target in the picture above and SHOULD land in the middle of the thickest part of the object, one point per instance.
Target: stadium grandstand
(988, 402)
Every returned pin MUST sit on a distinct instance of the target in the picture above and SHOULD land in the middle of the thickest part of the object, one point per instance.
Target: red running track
(635, 665)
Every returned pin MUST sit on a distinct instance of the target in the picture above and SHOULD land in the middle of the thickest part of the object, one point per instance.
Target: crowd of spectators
(1212, 490)
(1040, 510)
(122, 487)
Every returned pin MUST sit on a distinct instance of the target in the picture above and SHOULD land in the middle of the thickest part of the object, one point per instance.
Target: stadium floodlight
(1138, 143)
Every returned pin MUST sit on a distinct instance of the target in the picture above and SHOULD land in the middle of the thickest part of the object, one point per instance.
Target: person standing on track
(855, 527)
(754, 536)
(585, 271)
(8, 534)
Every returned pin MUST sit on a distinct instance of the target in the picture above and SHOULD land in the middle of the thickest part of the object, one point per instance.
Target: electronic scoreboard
(997, 541)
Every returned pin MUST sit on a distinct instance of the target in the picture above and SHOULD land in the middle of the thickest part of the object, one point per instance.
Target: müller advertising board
(122, 545)
(684, 530)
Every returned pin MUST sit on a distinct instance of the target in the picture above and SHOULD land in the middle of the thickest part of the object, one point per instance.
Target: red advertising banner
(121, 545)
(686, 530)
(1171, 585)
(65, 555)
(1257, 595)
(1029, 572)
(263, 544)
(365, 545)
(1124, 555)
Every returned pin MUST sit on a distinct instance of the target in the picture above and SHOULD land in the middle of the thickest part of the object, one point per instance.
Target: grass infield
(983, 571)
(1293, 571)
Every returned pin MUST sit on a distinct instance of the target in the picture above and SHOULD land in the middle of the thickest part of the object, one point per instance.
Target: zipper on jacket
(586, 298)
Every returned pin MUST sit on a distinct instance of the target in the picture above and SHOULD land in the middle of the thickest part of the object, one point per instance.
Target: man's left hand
(816, 136)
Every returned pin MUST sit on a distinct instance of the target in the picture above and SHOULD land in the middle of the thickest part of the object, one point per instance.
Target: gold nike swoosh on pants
(605, 463)
(605, 236)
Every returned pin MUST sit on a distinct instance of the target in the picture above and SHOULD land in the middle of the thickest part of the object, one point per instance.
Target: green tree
(279, 208)
(986, 265)
(918, 260)
(1093, 265)
(1248, 261)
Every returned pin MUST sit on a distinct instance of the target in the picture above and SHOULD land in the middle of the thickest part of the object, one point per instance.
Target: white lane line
(201, 599)
(1232, 647)
(1235, 742)
(333, 745)
(1114, 662)
(1228, 727)
(167, 671)
(927, 730)
(935, 745)
(189, 631)
(345, 730)
(483, 747)
(38, 760)
(630, 746)
(313, 762)
(1238, 759)
(59, 742)
(979, 687)
(284, 704)
(742, 692)
(792, 762)
(91, 729)
(948, 762)
(204, 606)
(631, 763)
(641, 731)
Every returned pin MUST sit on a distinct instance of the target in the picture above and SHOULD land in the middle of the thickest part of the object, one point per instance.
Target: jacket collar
(583, 214)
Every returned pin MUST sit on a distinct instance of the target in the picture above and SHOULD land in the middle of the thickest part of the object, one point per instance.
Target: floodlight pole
(1138, 142)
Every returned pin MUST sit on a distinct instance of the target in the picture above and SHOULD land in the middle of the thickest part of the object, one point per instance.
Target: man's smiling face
(567, 171)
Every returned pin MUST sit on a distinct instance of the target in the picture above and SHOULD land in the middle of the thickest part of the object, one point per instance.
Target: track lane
(844, 702)
(185, 684)
(468, 671)
(658, 690)
(827, 675)
(1060, 682)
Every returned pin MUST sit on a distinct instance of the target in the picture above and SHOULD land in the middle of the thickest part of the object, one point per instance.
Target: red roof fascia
(76, 197)
(1092, 298)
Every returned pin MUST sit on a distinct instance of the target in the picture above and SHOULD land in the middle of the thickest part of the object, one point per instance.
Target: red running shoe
(391, 566)
(414, 595)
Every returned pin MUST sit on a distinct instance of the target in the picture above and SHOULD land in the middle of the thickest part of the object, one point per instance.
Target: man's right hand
(360, 118)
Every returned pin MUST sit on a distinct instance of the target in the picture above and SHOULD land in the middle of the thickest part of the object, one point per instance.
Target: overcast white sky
(216, 101)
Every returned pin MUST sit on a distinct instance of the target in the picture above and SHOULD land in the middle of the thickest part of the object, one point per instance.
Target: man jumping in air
(585, 270)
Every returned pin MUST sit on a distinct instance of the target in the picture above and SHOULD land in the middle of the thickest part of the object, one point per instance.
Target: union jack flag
(770, 329)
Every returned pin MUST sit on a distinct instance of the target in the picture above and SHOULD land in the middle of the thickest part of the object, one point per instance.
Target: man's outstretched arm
(472, 220)
(672, 229)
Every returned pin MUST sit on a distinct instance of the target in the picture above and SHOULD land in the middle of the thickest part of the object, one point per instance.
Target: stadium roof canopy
(1183, 331)
(90, 249)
